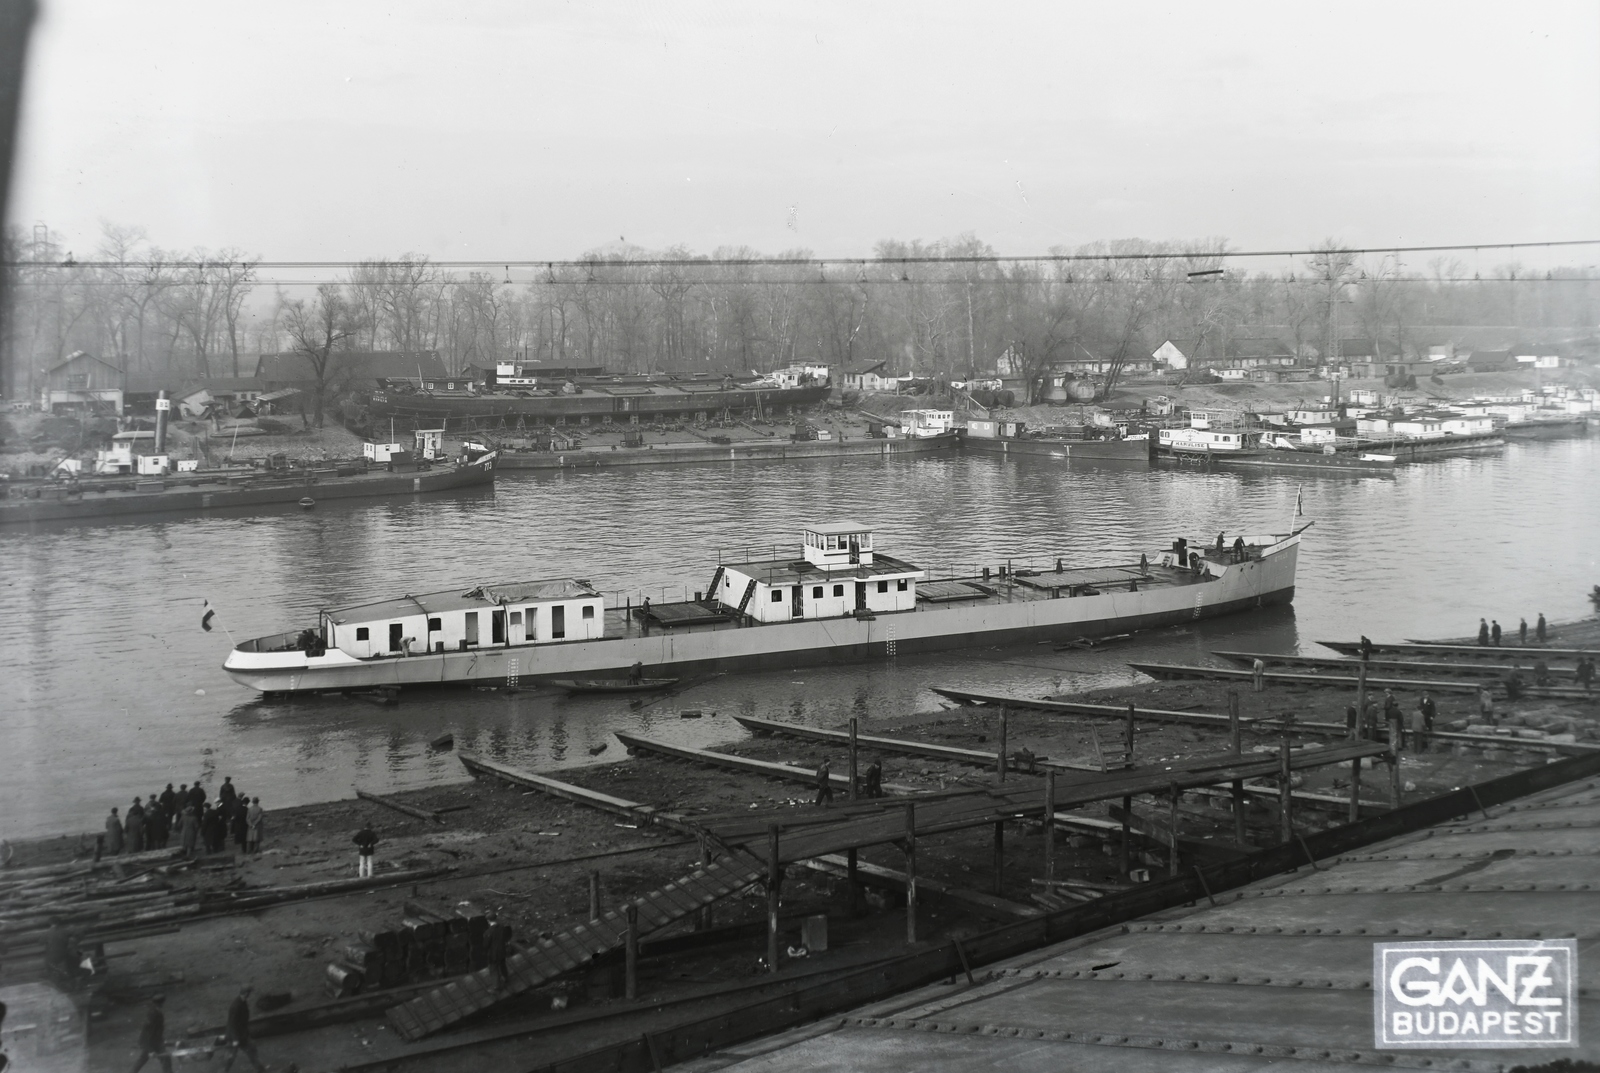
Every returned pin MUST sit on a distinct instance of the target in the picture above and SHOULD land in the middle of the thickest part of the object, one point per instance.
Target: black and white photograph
(888, 536)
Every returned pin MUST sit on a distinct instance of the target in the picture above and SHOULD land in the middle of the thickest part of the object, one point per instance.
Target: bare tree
(317, 330)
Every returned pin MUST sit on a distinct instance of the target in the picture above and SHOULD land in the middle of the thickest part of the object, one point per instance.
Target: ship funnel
(163, 408)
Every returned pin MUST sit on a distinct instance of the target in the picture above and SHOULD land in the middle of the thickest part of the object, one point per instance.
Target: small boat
(613, 685)
(307, 503)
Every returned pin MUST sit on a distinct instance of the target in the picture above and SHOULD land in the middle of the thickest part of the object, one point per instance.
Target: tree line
(940, 309)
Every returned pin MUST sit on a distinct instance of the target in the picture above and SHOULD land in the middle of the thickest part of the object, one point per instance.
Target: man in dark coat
(153, 1037)
(874, 779)
(1429, 710)
(239, 1038)
(169, 800)
(113, 834)
(197, 796)
(1483, 632)
(1494, 633)
(1539, 628)
(157, 823)
(824, 783)
(239, 825)
(226, 793)
(1522, 630)
(134, 827)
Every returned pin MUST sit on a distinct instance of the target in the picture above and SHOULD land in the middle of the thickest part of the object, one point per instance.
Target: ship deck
(1021, 586)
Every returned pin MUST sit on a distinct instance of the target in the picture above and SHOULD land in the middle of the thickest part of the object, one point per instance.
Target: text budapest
(1493, 993)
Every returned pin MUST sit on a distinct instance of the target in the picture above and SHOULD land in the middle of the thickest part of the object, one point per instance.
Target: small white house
(1466, 424)
(868, 378)
(839, 574)
(381, 452)
(1171, 355)
(1418, 426)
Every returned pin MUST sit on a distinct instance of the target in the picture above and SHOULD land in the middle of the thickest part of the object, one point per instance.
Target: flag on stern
(205, 619)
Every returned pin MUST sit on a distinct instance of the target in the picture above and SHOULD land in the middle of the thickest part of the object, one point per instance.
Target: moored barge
(839, 598)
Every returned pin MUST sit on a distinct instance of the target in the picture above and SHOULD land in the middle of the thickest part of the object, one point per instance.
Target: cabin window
(362, 633)
(472, 628)
(833, 543)
(838, 590)
(777, 596)
(435, 625)
(497, 627)
(588, 611)
(816, 592)
(516, 618)
(558, 621)
(883, 586)
(901, 584)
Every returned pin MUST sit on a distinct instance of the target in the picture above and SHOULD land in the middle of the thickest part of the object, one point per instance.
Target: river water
(111, 689)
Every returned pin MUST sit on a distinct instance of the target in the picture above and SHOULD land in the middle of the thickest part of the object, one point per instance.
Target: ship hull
(195, 495)
(689, 651)
(1095, 450)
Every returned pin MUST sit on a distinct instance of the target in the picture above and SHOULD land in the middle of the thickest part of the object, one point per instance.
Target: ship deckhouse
(524, 612)
(838, 574)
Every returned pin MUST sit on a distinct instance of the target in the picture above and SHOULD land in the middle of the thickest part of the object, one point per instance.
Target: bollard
(1236, 744)
(1285, 802)
(594, 897)
(1000, 753)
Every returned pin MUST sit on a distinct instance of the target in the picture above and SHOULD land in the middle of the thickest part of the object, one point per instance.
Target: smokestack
(163, 407)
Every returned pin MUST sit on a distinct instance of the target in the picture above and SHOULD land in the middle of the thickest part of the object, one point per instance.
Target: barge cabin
(838, 574)
(524, 612)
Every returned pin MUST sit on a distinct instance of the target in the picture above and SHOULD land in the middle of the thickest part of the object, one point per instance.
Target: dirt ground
(529, 855)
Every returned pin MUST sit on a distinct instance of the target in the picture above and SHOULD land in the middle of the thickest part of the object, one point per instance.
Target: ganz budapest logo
(1493, 993)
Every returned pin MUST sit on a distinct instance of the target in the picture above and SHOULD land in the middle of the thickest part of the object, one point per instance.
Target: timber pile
(427, 945)
(117, 893)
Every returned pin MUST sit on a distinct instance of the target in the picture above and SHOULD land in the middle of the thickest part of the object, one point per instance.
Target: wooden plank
(1475, 670)
(1337, 681)
(386, 802)
(787, 772)
(1109, 711)
(578, 794)
(976, 757)
(1489, 652)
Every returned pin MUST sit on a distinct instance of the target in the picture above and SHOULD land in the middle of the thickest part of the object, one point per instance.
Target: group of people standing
(1419, 726)
(1489, 631)
(187, 814)
(870, 784)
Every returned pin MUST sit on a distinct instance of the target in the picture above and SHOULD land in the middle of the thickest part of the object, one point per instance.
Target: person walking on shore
(1539, 628)
(256, 818)
(874, 779)
(1522, 631)
(1428, 710)
(1486, 704)
(239, 1038)
(1494, 632)
(824, 783)
(113, 834)
(1258, 676)
(153, 1037)
(189, 831)
(1483, 631)
(366, 841)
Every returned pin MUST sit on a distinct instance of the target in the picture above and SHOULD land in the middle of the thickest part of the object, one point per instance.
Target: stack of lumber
(428, 944)
(115, 894)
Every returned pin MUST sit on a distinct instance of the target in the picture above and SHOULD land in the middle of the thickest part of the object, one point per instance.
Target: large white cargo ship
(838, 598)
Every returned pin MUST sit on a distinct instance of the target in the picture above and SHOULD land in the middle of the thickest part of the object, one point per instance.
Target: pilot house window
(777, 596)
(588, 610)
(883, 586)
(362, 634)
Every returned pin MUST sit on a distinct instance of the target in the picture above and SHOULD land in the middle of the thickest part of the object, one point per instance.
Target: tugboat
(837, 598)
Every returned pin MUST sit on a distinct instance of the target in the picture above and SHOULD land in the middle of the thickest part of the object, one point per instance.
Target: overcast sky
(532, 130)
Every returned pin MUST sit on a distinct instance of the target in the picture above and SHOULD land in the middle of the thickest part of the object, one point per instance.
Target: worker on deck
(1539, 629)
(1219, 545)
(1238, 549)
(824, 784)
(1483, 631)
(1494, 632)
(636, 672)
(1144, 564)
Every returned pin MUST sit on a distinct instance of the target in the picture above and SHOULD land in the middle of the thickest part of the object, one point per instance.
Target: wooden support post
(1285, 801)
(1172, 826)
(1355, 789)
(594, 896)
(1396, 782)
(854, 880)
(1049, 826)
(911, 872)
(1127, 816)
(630, 988)
(999, 856)
(1000, 752)
(852, 758)
(703, 917)
(1236, 745)
(1127, 734)
(774, 878)
(1361, 698)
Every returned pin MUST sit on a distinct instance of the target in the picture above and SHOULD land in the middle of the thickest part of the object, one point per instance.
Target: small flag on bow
(205, 619)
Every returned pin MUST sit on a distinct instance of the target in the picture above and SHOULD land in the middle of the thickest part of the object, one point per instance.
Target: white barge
(838, 599)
